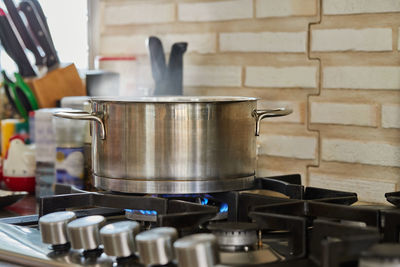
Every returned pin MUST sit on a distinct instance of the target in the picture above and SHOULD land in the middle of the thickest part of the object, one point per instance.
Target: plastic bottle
(7, 131)
(45, 151)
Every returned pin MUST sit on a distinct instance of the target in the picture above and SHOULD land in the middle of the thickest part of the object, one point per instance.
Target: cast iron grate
(181, 211)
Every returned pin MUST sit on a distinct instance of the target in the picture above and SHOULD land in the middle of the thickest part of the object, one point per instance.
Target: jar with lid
(69, 158)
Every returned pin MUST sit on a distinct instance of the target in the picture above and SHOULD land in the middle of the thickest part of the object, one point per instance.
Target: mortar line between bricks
(318, 93)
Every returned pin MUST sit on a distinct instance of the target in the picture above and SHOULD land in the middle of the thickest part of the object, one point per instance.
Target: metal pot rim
(173, 99)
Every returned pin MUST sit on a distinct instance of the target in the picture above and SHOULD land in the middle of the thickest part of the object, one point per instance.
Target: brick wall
(335, 62)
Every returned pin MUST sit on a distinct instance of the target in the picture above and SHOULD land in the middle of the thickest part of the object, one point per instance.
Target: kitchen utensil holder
(56, 84)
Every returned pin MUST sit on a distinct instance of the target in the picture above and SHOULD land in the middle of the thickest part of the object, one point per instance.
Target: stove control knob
(155, 246)
(198, 250)
(84, 232)
(53, 227)
(119, 238)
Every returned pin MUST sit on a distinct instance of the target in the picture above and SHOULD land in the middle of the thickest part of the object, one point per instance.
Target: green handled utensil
(20, 95)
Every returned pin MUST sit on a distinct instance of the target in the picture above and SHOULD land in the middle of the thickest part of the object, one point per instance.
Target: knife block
(56, 84)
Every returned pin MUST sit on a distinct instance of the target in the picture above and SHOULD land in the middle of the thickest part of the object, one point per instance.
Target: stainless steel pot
(174, 144)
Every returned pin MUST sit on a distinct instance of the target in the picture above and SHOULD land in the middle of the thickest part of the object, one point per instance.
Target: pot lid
(174, 99)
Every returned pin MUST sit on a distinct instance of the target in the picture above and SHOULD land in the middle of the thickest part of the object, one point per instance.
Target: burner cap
(233, 226)
(235, 235)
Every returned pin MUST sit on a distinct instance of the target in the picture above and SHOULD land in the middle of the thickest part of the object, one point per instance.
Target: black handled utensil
(175, 69)
(13, 47)
(168, 79)
(42, 16)
(158, 65)
(40, 59)
(40, 32)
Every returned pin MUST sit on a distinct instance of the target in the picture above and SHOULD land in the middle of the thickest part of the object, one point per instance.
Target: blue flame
(204, 201)
(223, 208)
(143, 212)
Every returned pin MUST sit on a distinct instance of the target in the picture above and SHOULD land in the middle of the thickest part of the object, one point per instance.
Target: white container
(19, 166)
(44, 134)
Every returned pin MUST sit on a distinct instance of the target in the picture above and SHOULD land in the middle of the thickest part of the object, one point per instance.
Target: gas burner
(307, 227)
(239, 244)
(235, 236)
(203, 201)
(141, 215)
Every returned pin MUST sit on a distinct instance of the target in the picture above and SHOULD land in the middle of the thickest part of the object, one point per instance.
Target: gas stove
(276, 223)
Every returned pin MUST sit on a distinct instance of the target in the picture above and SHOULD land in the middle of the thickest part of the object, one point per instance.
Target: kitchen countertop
(25, 206)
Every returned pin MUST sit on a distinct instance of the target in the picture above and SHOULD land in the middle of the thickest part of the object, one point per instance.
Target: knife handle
(13, 47)
(25, 36)
(42, 17)
(40, 32)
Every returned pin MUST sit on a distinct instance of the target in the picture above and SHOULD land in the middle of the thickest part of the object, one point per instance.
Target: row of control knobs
(158, 246)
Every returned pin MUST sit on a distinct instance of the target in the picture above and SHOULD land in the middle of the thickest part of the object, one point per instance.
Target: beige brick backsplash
(344, 113)
(391, 116)
(362, 77)
(139, 13)
(136, 44)
(296, 117)
(283, 8)
(202, 43)
(213, 76)
(337, 7)
(288, 77)
(299, 147)
(273, 166)
(370, 39)
(263, 172)
(350, 170)
(365, 152)
(334, 62)
(263, 42)
(123, 45)
(367, 190)
(215, 11)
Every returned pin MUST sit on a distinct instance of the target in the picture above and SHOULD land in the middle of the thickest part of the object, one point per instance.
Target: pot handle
(266, 113)
(83, 115)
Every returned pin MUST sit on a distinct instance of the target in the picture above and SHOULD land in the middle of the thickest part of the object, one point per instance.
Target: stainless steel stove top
(121, 244)
(308, 227)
